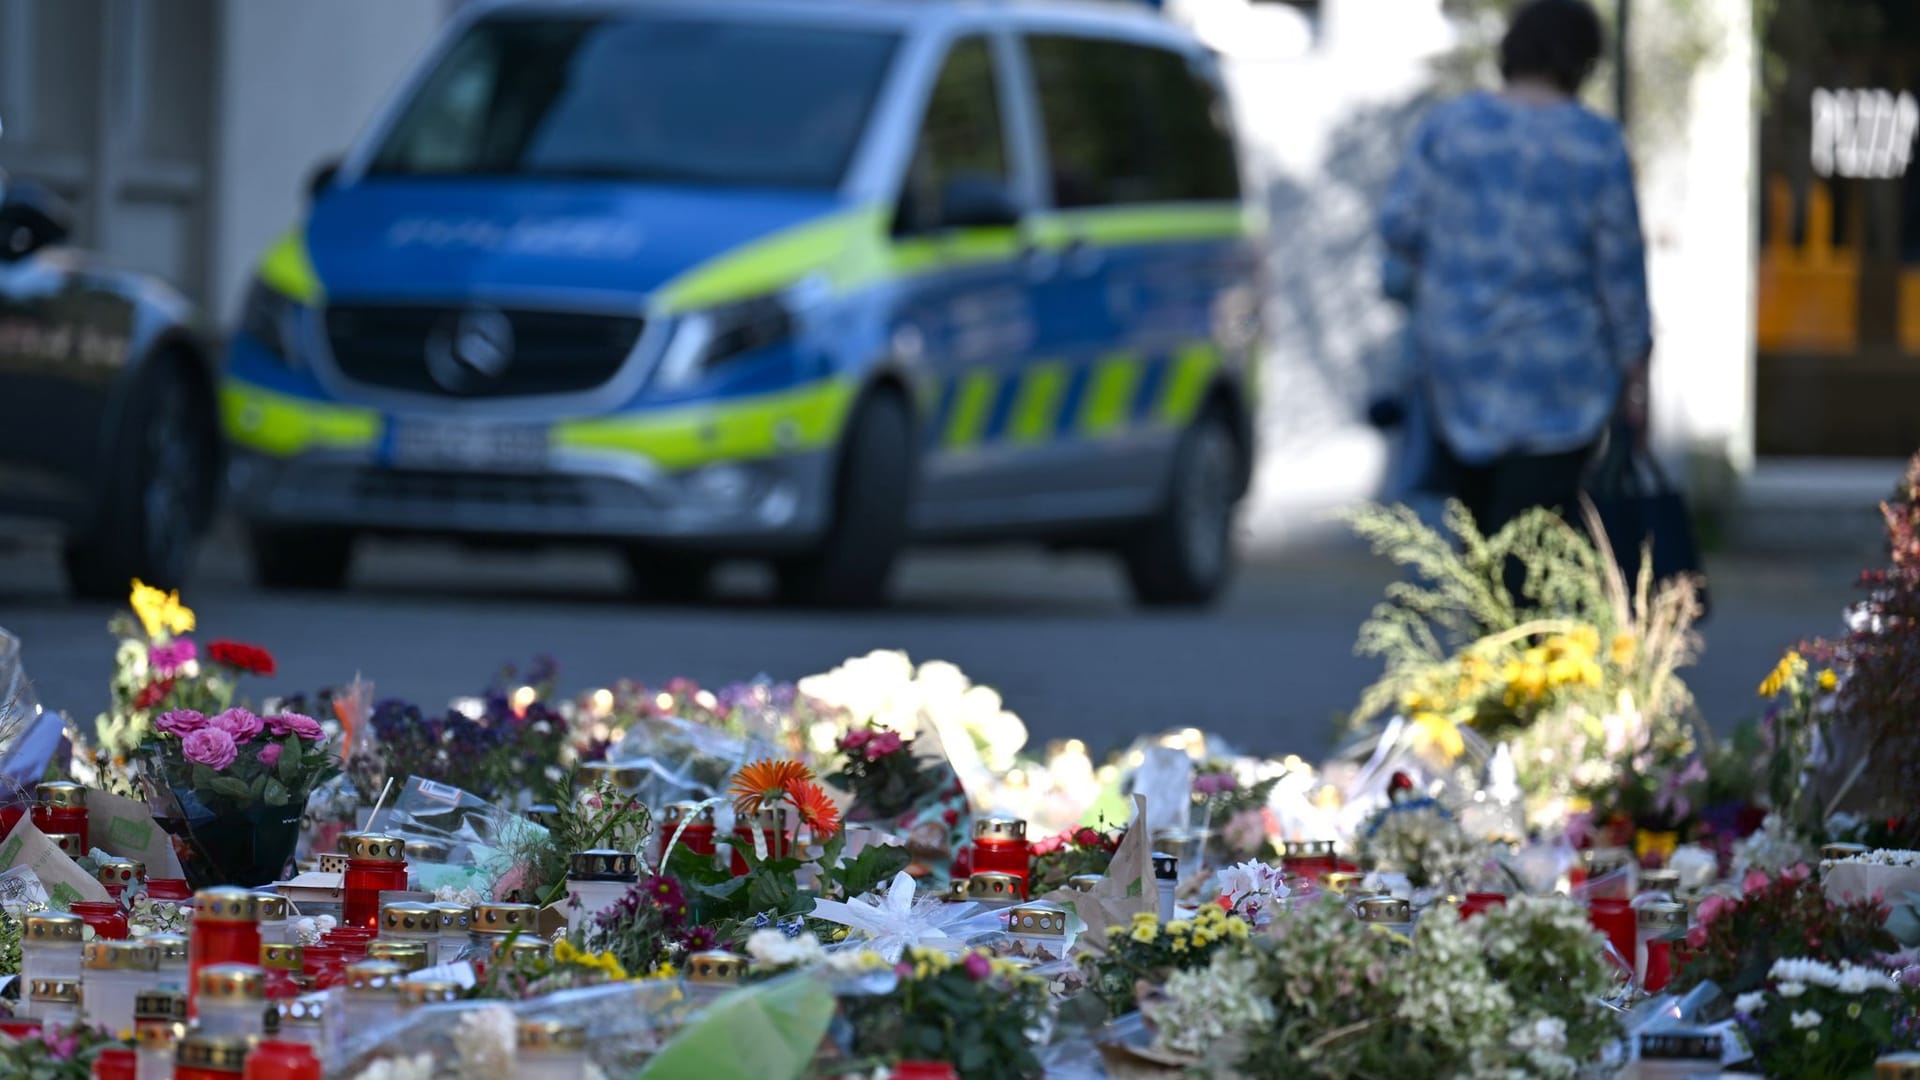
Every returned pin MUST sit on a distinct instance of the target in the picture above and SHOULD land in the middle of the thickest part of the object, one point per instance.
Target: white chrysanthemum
(417, 1067)
(1804, 1020)
(1696, 866)
(486, 1039)
(1859, 980)
(1792, 989)
(775, 949)
(1749, 1003)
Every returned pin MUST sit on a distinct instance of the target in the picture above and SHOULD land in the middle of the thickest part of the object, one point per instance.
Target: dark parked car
(108, 427)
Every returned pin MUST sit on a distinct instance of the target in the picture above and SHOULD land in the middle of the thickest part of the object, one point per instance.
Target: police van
(781, 279)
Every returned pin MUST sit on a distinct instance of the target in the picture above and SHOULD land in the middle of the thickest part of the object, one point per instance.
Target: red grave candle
(772, 825)
(104, 916)
(1616, 919)
(60, 806)
(1000, 847)
(226, 930)
(1308, 859)
(1479, 902)
(115, 1064)
(273, 1059)
(697, 837)
(375, 864)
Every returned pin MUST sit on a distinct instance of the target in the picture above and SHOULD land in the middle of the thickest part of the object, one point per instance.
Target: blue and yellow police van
(792, 280)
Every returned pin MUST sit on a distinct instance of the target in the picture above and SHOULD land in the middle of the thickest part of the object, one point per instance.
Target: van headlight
(704, 340)
(271, 318)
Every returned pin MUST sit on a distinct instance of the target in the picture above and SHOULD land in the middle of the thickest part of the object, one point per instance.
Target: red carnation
(241, 656)
(153, 693)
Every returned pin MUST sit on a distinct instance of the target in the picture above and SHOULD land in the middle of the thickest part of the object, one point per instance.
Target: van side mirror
(322, 177)
(972, 202)
(31, 217)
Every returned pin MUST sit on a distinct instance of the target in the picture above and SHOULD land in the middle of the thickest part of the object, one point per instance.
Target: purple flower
(304, 726)
(181, 722)
(171, 657)
(978, 966)
(210, 747)
(242, 725)
(270, 754)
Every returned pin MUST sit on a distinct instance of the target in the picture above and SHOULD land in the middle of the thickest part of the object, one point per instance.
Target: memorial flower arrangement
(1578, 671)
(1812, 1018)
(878, 767)
(1144, 952)
(1085, 850)
(55, 1053)
(970, 1010)
(1422, 839)
(1735, 940)
(501, 742)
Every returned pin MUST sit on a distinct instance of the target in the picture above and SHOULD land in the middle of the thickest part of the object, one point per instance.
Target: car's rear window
(667, 98)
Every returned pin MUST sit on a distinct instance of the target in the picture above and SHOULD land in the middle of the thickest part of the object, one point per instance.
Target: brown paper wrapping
(1127, 889)
(63, 879)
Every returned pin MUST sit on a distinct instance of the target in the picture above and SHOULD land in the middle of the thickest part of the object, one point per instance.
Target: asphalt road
(1269, 670)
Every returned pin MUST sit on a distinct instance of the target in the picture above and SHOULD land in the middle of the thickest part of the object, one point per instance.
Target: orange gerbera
(817, 809)
(765, 782)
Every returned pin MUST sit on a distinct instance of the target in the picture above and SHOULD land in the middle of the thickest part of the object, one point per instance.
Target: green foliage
(771, 885)
(972, 1013)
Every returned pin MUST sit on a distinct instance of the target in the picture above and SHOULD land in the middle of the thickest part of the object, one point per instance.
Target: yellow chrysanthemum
(1144, 933)
(1179, 926)
(1782, 675)
(664, 970)
(1828, 680)
(1440, 733)
(1179, 944)
(160, 611)
(1237, 929)
(1623, 649)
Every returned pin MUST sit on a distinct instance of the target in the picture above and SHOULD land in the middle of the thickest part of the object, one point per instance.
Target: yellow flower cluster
(1784, 675)
(564, 952)
(1564, 660)
(159, 610)
(927, 963)
(663, 970)
(1209, 925)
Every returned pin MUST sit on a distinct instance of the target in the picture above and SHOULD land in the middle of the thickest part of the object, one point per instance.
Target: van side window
(1130, 124)
(961, 138)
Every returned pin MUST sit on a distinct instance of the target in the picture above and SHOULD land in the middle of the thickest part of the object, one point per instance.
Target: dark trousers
(1508, 486)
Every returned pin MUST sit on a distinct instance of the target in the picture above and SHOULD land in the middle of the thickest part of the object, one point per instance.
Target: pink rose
(1711, 908)
(210, 747)
(1797, 873)
(171, 657)
(1754, 882)
(304, 726)
(978, 966)
(855, 739)
(1697, 938)
(239, 723)
(180, 722)
(270, 754)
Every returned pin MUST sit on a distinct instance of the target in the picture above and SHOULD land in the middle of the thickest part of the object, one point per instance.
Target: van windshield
(675, 99)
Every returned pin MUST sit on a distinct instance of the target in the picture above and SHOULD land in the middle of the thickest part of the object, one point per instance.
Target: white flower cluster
(1204, 1011)
(1538, 1046)
(310, 929)
(1426, 844)
(1696, 866)
(771, 948)
(1879, 857)
(1845, 978)
(884, 687)
(1772, 848)
(487, 1039)
(468, 895)
(1255, 888)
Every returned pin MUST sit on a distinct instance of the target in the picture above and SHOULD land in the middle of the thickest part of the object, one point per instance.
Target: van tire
(301, 560)
(873, 491)
(1182, 556)
(666, 576)
(160, 493)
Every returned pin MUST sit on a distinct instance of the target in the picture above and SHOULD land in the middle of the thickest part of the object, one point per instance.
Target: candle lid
(522, 948)
(603, 864)
(374, 977)
(273, 906)
(104, 954)
(1166, 867)
(59, 991)
(624, 777)
(454, 918)
(999, 828)
(162, 1005)
(716, 966)
(282, 956)
(232, 982)
(409, 917)
(681, 811)
(956, 889)
(1663, 916)
(1842, 851)
(158, 1036)
(68, 843)
(1905, 1066)
(1084, 882)
(1385, 909)
(409, 955)
(50, 926)
(428, 851)
(767, 818)
(992, 885)
(225, 903)
(551, 1035)
(1307, 849)
(503, 918)
(221, 1053)
(1605, 860)
(121, 872)
(429, 992)
(1038, 919)
(171, 947)
(374, 847)
(1662, 880)
(64, 794)
(307, 1009)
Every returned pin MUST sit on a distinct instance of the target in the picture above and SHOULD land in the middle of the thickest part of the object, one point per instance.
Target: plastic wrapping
(476, 834)
(686, 761)
(29, 736)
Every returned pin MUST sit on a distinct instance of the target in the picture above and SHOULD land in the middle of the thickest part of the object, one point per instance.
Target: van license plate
(422, 443)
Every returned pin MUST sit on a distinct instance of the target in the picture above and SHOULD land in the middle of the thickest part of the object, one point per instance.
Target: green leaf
(277, 794)
(289, 767)
(692, 868)
(870, 868)
(228, 786)
(772, 890)
(258, 787)
(203, 776)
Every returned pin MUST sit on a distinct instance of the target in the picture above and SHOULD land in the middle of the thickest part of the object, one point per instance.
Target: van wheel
(301, 559)
(872, 490)
(1183, 555)
(665, 576)
(161, 491)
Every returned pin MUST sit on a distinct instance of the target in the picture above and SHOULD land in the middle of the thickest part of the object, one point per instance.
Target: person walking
(1513, 233)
